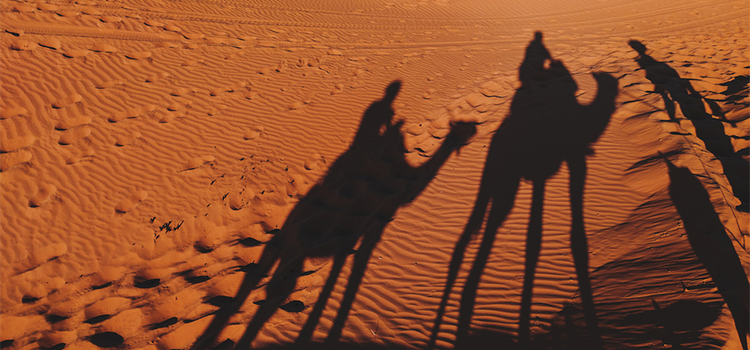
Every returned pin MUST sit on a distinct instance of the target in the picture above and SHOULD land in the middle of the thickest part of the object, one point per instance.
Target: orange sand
(150, 150)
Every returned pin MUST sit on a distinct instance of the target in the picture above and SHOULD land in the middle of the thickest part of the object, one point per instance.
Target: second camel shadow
(353, 204)
(546, 126)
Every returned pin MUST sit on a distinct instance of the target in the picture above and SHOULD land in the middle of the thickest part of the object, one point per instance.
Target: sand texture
(360, 174)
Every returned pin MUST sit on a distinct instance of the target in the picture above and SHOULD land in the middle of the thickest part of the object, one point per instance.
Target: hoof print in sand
(131, 202)
(138, 55)
(45, 193)
(253, 133)
(67, 101)
(10, 160)
(22, 45)
(109, 84)
(127, 139)
(72, 123)
(72, 136)
(313, 162)
(13, 112)
(16, 143)
(198, 162)
(50, 43)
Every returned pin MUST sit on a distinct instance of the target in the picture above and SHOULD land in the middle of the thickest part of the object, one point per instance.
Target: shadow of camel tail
(711, 244)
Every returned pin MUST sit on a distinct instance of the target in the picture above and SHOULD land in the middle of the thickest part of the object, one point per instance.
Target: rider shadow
(354, 202)
(672, 88)
(546, 126)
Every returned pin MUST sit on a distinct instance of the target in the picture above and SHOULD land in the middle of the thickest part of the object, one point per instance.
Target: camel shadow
(711, 244)
(672, 88)
(546, 126)
(353, 204)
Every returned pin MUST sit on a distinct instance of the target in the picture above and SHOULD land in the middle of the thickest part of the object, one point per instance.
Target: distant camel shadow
(353, 203)
(711, 244)
(546, 126)
(672, 88)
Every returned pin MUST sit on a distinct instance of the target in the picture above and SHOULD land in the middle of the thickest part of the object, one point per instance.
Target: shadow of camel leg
(533, 247)
(579, 246)
(474, 224)
(278, 289)
(361, 258)
(251, 280)
(502, 203)
(307, 331)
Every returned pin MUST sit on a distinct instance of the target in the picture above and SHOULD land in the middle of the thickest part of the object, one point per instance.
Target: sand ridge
(149, 151)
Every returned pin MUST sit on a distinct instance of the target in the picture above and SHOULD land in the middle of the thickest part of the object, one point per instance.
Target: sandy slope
(148, 147)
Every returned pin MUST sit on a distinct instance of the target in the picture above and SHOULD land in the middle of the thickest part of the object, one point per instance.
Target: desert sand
(357, 174)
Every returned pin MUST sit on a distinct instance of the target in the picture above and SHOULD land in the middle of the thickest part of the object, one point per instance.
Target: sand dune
(157, 157)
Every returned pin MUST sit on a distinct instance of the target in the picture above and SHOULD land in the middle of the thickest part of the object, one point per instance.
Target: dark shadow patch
(220, 301)
(57, 347)
(102, 286)
(250, 242)
(55, 318)
(6, 343)
(293, 306)
(97, 319)
(28, 300)
(166, 323)
(197, 279)
(107, 340)
(147, 283)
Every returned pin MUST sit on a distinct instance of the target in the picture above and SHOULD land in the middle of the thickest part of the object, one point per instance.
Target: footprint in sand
(47, 7)
(68, 13)
(182, 91)
(253, 133)
(104, 48)
(9, 160)
(197, 162)
(131, 202)
(109, 84)
(77, 155)
(153, 23)
(73, 122)
(16, 143)
(45, 193)
(72, 136)
(50, 43)
(110, 19)
(156, 77)
(133, 113)
(193, 36)
(313, 161)
(138, 55)
(75, 53)
(170, 116)
(24, 8)
(127, 139)
(177, 105)
(13, 112)
(22, 45)
(67, 101)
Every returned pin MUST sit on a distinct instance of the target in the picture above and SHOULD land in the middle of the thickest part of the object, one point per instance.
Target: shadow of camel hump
(672, 88)
(353, 203)
(546, 126)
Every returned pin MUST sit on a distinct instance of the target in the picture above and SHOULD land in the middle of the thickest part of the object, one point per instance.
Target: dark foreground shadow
(672, 88)
(546, 126)
(353, 204)
(711, 244)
